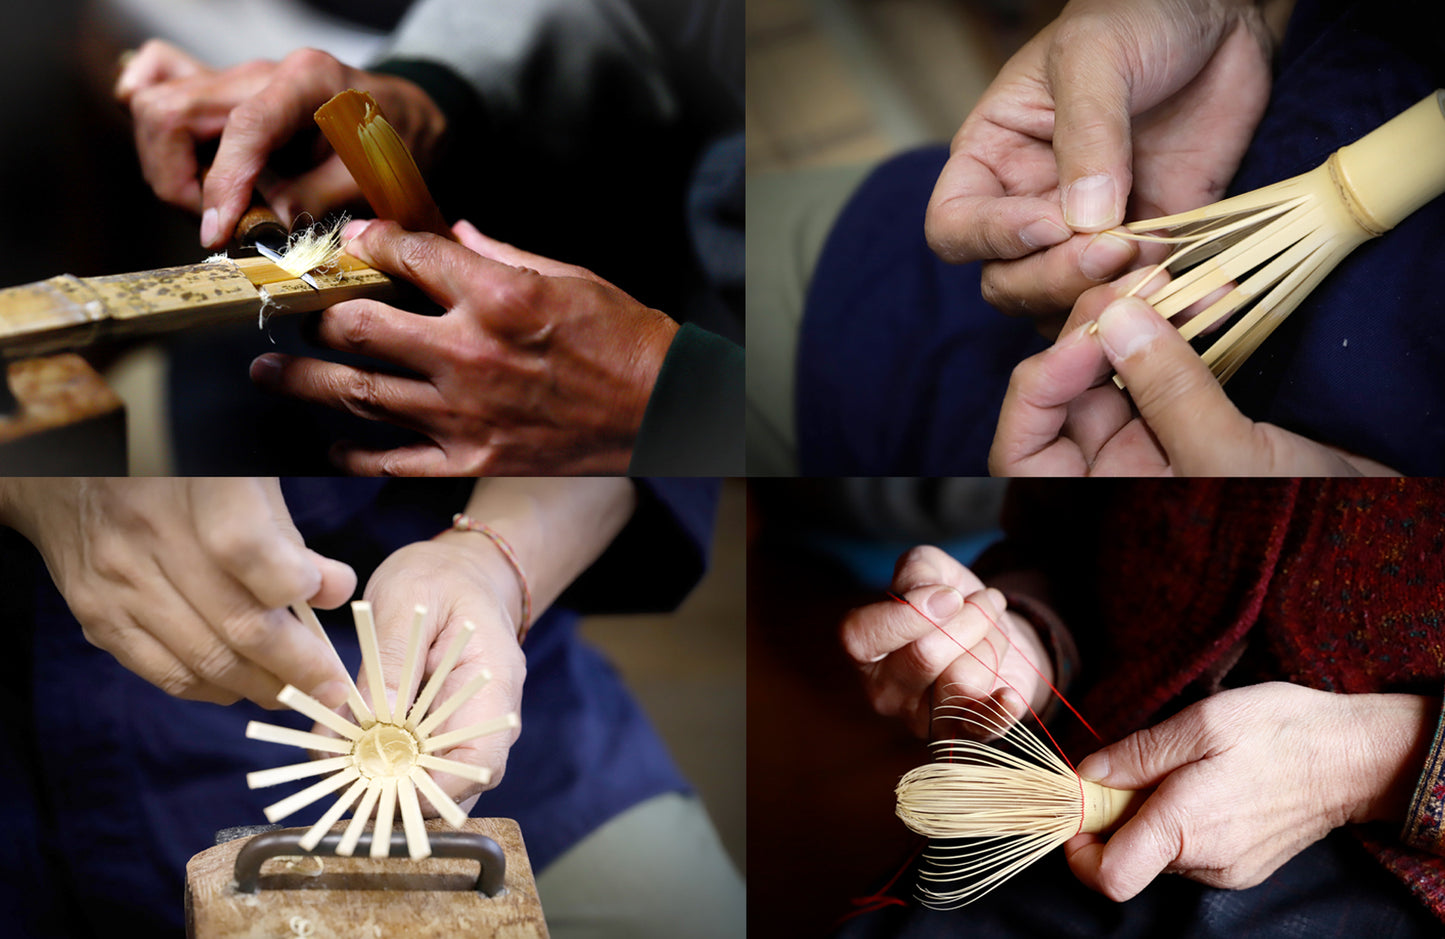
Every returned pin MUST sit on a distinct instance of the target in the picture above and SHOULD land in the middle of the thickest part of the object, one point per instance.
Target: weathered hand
(536, 366)
(1063, 415)
(186, 581)
(1136, 102)
(908, 665)
(1247, 779)
(458, 577)
(256, 109)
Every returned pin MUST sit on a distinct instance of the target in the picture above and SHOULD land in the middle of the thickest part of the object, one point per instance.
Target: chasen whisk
(1260, 254)
(995, 801)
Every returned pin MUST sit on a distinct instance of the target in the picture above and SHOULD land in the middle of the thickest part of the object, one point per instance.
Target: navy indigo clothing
(110, 785)
(902, 366)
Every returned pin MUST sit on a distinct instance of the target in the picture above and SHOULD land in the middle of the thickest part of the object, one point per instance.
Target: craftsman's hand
(255, 110)
(1064, 416)
(1247, 779)
(186, 581)
(458, 576)
(536, 366)
(909, 665)
(1147, 104)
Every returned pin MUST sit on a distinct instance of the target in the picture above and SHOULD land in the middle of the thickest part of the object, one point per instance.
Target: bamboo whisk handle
(1393, 170)
(1106, 809)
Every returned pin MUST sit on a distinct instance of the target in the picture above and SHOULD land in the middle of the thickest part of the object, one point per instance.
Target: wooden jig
(386, 751)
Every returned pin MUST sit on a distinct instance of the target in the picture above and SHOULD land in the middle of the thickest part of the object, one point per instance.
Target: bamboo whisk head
(1261, 253)
(993, 802)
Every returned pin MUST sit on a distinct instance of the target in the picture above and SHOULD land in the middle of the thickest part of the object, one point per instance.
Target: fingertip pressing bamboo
(380, 162)
(1266, 250)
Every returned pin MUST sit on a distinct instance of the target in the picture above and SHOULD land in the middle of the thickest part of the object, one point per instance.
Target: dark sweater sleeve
(658, 557)
(694, 419)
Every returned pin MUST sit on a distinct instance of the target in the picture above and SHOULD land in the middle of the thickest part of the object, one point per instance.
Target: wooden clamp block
(328, 897)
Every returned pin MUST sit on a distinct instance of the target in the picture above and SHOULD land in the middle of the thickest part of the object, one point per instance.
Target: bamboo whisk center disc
(386, 751)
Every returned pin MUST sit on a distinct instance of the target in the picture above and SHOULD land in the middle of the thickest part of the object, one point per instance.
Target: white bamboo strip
(438, 677)
(347, 846)
(449, 707)
(262, 778)
(318, 831)
(455, 768)
(279, 810)
(407, 682)
(359, 710)
(482, 729)
(299, 700)
(259, 730)
(385, 809)
(371, 659)
(443, 803)
(417, 844)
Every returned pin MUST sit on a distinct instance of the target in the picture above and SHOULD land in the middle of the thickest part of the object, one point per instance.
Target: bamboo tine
(463, 695)
(446, 741)
(438, 677)
(417, 844)
(408, 669)
(313, 837)
(443, 803)
(371, 659)
(347, 846)
(260, 779)
(299, 700)
(359, 710)
(385, 810)
(441, 764)
(279, 810)
(259, 730)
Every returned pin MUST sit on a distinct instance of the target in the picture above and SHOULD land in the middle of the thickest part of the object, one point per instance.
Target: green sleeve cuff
(694, 420)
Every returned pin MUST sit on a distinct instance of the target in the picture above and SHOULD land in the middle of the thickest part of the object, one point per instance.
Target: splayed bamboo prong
(299, 700)
(406, 681)
(482, 729)
(417, 845)
(314, 835)
(263, 778)
(465, 770)
(1274, 245)
(292, 803)
(347, 846)
(991, 809)
(439, 677)
(359, 710)
(449, 707)
(271, 733)
(385, 812)
(371, 659)
(443, 803)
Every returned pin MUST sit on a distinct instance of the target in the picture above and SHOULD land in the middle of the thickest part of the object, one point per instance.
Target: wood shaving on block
(317, 246)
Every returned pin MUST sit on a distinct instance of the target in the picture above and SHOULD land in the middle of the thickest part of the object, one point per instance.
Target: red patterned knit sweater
(1174, 589)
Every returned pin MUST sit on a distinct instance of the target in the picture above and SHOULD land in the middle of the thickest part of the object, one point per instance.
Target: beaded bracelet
(462, 522)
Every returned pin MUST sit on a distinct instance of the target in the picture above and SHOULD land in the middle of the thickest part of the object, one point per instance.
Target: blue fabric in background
(110, 786)
(902, 367)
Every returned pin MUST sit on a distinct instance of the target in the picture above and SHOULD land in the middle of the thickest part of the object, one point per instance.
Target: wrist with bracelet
(465, 523)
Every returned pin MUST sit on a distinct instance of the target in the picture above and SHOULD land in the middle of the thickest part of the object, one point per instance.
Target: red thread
(1009, 684)
(879, 899)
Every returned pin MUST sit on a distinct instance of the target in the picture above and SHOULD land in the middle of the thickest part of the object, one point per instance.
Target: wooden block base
(340, 898)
